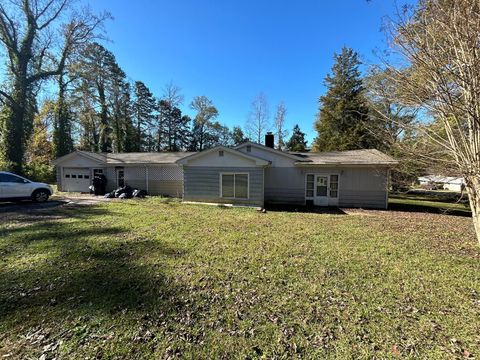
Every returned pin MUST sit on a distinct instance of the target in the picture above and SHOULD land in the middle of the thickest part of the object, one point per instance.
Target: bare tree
(258, 118)
(37, 48)
(437, 42)
(279, 123)
(172, 94)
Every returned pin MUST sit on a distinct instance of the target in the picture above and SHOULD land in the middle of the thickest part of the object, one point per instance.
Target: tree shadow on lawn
(419, 208)
(90, 270)
(330, 210)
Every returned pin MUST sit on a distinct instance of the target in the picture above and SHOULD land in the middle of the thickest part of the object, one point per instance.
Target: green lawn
(152, 280)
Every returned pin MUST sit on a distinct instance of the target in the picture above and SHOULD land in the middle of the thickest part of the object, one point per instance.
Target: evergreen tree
(173, 128)
(62, 124)
(120, 113)
(342, 122)
(238, 136)
(201, 136)
(95, 71)
(144, 108)
(297, 142)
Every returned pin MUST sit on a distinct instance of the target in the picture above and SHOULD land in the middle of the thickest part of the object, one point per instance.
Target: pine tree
(98, 72)
(297, 141)
(201, 136)
(343, 117)
(238, 136)
(144, 109)
(62, 124)
(119, 99)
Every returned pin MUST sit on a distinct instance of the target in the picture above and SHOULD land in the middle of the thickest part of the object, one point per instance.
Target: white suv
(14, 187)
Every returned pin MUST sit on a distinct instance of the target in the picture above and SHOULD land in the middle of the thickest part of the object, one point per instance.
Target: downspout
(387, 188)
(146, 178)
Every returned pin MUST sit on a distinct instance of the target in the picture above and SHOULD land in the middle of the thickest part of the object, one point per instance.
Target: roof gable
(269, 149)
(236, 154)
(98, 158)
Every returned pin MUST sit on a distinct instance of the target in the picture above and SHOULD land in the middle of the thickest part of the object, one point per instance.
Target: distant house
(249, 174)
(447, 182)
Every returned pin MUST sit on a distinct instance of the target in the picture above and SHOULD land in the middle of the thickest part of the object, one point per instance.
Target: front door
(120, 177)
(321, 190)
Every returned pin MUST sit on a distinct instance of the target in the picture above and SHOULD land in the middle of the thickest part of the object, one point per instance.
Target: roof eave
(310, 164)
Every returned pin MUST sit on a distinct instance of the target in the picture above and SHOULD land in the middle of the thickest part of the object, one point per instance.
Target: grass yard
(154, 279)
(433, 202)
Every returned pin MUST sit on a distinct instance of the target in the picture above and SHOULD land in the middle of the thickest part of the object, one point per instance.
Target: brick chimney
(269, 140)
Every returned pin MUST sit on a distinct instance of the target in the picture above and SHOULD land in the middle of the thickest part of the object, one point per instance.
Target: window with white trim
(234, 186)
(310, 185)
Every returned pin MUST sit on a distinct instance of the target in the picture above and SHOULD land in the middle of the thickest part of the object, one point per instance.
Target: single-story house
(248, 174)
(448, 182)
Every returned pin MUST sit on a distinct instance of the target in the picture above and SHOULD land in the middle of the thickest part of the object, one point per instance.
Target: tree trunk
(62, 136)
(473, 191)
(15, 129)
(104, 130)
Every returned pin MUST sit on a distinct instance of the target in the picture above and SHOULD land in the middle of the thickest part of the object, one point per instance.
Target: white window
(234, 186)
(310, 185)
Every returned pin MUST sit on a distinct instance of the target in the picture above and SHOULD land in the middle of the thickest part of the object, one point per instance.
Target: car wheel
(40, 195)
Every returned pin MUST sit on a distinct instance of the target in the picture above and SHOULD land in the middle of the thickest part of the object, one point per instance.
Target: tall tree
(437, 41)
(279, 123)
(62, 124)
(37, 48)
(99, 76)
(170, 121)
(258, 119)
(144, 113)
(120, 107)
(393, 138)
(40, 150)
(174, 128)
(238, 136)
(173, 94)
(206, 114)
(297, 141)
(342, 122)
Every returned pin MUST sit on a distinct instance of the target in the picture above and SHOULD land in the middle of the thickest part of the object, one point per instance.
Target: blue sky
(230, 51)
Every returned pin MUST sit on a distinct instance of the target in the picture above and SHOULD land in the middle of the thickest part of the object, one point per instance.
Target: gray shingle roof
(139, 157)
(351, 157)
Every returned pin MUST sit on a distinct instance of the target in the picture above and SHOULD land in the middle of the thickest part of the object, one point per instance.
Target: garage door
(76, 179)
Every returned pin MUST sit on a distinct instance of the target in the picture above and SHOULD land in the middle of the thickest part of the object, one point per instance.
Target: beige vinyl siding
(203, 184)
